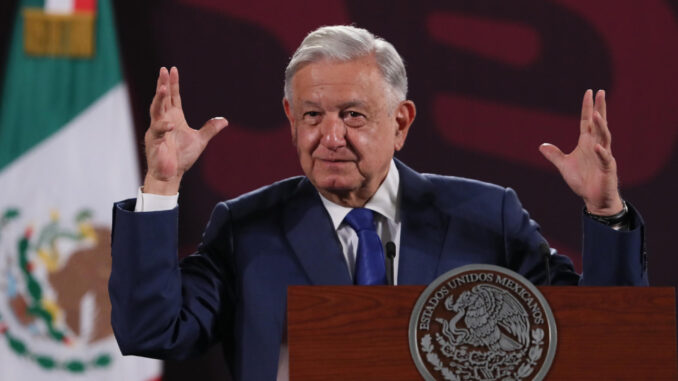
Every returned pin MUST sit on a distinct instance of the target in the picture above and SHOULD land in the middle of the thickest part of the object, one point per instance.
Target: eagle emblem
(482, 322)
(494, 319)
(54, 307)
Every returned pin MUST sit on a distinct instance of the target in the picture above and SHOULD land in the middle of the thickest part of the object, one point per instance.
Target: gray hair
(345, 43)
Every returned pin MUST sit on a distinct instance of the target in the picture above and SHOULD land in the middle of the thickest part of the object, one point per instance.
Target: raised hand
(590, 170)
(171, 145)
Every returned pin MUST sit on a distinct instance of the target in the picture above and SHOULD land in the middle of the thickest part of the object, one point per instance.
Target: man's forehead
(333, 68)
(352, 81)
(367, 61)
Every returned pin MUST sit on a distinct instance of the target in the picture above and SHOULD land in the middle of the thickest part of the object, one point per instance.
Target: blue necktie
(369, 262)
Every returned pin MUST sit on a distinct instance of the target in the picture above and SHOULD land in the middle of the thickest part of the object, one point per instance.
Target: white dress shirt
(385, 203)
(149, 202)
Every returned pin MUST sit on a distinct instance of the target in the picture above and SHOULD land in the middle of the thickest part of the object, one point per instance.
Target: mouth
(334, 165)
(334, 160)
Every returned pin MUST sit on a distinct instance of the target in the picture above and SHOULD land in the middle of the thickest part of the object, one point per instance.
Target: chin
(336, 184)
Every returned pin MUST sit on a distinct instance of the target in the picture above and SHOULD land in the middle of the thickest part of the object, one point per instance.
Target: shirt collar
(384, 201)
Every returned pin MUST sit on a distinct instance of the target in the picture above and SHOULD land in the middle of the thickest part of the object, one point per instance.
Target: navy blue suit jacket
(234, 288)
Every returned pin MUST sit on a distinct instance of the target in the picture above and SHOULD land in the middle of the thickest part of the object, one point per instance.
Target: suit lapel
(422, 231)
(311, 235)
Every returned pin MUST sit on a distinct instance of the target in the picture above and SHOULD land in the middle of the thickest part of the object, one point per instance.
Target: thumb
(552, 154)
(212, 127)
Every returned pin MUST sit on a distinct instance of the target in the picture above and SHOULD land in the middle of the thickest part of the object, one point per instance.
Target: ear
(290, 118)
(404, 116)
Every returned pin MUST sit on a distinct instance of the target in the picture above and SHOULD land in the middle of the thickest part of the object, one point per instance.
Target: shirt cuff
(148, 202)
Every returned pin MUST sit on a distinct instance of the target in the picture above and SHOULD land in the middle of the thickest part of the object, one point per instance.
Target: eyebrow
(351, 103)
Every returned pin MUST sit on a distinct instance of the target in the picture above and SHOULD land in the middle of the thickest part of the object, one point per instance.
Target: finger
(605, 156)
(162, 78)
(552, 154)
(159, 129)
(600, 104)
(602, 132)
(166, 101)
(174, 86)
(212, 127)
(157, 105)
(156, 108)
(586, 112)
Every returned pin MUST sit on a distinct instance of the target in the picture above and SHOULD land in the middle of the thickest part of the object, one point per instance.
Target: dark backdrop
(492, 79)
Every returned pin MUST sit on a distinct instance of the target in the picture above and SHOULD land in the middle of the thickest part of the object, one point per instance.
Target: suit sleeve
(527, 250)
(160, 307)
(610, 257)
(614, 257)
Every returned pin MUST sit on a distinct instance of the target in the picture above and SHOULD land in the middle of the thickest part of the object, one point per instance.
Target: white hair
(345, 43)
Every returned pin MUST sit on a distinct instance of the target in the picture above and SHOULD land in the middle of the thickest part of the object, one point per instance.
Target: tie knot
(360, 219)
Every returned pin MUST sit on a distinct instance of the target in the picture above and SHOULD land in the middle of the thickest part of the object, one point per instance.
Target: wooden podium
(361, 333)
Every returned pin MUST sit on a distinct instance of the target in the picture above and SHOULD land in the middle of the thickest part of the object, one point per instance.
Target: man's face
(346, 126)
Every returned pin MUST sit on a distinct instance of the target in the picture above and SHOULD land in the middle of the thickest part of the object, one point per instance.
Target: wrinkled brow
(341, 106)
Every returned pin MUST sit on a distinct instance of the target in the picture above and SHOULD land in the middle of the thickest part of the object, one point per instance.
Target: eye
(312, 117)
(354, 118)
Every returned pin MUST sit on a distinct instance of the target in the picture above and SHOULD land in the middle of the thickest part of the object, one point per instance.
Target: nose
(333, 133)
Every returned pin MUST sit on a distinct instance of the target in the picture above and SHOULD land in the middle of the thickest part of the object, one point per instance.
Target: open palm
(171, 145)
(590, 170)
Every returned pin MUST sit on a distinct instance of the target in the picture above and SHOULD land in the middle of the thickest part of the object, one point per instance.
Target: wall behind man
(491, 79)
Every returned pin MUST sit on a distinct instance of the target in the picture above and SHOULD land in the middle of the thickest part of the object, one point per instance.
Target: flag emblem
(54, 301)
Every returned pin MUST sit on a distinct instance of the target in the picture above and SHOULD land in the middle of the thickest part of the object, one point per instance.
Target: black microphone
(390, 254)
(546, 253)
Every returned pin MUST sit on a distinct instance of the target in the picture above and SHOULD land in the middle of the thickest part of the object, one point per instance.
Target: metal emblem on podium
(482, 322)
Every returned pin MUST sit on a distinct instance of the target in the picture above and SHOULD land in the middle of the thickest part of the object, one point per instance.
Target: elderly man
(345, 98)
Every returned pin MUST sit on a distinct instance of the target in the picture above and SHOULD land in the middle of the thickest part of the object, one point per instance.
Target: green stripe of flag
(42, 94)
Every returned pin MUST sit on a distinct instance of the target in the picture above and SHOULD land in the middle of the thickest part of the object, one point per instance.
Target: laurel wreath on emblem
(44, 247)
(523, 371)
(428, 347)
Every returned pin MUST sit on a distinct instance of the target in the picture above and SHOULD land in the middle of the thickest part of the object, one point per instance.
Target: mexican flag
(67, 151)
